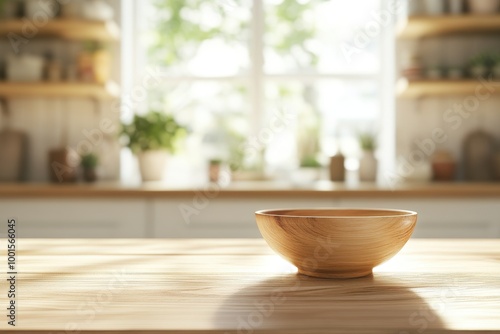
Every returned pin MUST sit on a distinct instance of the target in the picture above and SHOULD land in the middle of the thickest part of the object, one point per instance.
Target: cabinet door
(73, 218)
(444, 218)
(218, 218)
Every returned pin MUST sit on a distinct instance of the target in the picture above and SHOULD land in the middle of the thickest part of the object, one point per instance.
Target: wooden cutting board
(12, 155)
(240, 286)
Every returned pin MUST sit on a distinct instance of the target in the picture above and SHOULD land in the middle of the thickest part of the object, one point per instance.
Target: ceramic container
(24, 68)
(152, 164)
(368, 167)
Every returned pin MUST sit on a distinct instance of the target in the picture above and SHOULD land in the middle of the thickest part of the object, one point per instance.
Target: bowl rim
(397, 213)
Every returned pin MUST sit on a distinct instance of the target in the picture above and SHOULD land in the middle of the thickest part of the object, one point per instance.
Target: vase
(62, 167)
(152, 164)
(37, 8)
(337, 169)
(483, 6)
(368, 167)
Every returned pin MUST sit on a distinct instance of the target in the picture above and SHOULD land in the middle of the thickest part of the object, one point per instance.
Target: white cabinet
(202, 217)
(444, 218)
(218, 217)
(76, 218)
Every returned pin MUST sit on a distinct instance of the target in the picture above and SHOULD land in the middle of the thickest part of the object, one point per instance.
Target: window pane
(330, 112)
(200, 103)
(319, 36)
(197, 37)
(216, 113)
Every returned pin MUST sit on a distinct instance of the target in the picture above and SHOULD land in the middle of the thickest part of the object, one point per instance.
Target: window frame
(256, 78)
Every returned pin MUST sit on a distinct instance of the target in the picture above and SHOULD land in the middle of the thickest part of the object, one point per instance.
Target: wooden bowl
(336, 243)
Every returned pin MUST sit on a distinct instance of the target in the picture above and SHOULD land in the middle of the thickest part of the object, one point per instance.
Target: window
(276, 75)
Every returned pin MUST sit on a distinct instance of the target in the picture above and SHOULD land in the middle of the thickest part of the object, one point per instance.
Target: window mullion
(257, 65)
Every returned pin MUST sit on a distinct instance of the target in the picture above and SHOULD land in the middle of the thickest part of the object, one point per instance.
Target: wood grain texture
(59, 90)
(336, 243)
(427, 26)
(429, 88)
(70, 29)
(240, 286)
(252, 190)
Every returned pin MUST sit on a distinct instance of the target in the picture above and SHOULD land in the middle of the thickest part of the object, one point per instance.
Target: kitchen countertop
(324, 189)
(151, 286)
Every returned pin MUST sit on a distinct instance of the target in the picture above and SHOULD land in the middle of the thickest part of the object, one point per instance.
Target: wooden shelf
(58, 90)
(427, 26)
(73, 29)
(417, 89)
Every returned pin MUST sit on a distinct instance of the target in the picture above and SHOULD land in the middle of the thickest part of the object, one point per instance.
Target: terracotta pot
(444, 166)
(337, 169)
(152, 164)
(444, 171)
(61, 167)
(214, 169)
(89, 175)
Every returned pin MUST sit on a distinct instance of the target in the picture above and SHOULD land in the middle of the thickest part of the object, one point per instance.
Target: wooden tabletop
(322, 189)
(240, 286)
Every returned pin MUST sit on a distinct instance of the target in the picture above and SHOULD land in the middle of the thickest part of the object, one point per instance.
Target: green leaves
(367, 141)
(153, 131)
(89, 161)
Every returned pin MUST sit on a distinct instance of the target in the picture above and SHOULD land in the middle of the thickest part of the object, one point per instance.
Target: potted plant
(89, 163)
(310, 170)
(368, 161)
(496, 66)
(481, 64)
(151, 137)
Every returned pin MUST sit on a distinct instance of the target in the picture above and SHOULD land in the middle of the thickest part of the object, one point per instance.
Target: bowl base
(350, 274)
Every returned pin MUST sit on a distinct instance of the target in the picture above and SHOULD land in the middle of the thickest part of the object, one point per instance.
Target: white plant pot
(152, 165)
(484, 6)
(41, 9)
(434, 7)
(306, 175)
(419, 173)
(97, 10)
(24, 68)
(368, 167)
